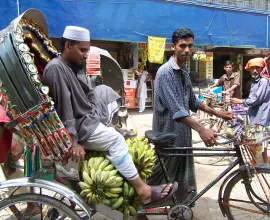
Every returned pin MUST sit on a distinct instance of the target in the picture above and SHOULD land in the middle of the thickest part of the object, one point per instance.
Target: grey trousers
(107, 139)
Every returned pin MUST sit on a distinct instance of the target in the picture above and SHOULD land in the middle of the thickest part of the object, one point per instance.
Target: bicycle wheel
(251, 204)
(210, 123)
(46, 208)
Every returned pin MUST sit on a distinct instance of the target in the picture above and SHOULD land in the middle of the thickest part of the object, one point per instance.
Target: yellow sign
(156, 48)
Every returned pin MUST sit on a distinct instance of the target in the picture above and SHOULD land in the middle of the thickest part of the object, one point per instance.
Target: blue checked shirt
(174, 98)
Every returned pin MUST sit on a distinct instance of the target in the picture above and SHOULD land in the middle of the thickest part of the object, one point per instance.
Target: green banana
(87, 178)
(131, 192)
(126, 214)
(132, 210)
(106, 202)
(84, 185)
(118, 203)
(113, 200)
(126, 189)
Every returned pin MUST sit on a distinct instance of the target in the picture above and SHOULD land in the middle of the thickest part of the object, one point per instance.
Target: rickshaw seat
(157, 137)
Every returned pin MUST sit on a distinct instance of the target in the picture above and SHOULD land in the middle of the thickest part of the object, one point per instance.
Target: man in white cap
(80, 111)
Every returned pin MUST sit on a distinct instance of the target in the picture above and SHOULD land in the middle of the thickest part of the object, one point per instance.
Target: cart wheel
(180, 212)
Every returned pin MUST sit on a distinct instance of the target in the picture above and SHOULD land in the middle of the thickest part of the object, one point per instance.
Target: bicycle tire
(210, 160)
(37, 198)
(253, 204)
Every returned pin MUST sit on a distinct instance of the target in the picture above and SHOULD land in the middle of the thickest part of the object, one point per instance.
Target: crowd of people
(88, 118)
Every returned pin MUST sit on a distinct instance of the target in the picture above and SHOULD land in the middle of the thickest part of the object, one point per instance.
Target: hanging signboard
(156, 49)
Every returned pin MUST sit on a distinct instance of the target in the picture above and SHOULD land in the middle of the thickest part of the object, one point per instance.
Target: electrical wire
(208, 28)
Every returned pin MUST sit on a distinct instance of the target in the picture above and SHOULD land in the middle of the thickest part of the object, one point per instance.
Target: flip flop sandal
(125, 134)
(157, 191)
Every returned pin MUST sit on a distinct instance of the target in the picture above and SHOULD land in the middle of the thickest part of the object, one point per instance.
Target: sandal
(126, 134)
(156, 194)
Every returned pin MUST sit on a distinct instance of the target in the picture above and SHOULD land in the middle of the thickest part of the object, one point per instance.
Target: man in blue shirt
(174, 98)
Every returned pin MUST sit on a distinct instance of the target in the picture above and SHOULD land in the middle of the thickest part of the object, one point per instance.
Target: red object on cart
(6, 138)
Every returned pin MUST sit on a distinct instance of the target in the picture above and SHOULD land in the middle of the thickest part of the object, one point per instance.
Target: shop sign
(156, 49)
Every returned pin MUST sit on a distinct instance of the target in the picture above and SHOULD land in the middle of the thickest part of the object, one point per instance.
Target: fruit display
(102, 183)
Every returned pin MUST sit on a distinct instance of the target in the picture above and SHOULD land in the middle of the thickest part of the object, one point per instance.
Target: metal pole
(18, 7)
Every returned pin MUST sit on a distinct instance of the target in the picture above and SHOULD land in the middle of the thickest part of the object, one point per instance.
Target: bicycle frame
(229, 152)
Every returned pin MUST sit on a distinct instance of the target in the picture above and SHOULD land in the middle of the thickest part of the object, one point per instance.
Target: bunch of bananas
(131, 203)
(100, 180)
(143, 156)
(103, 184)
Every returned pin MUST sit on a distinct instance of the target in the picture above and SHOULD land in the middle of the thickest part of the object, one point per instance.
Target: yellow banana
(111, 195)
(87, 178)
(85, 167)
(91, 163)
(110, 180)
(116, 190)
(98, 176)
(98, 161)
(113, 172)
(142, 138)
(93, 174)
(104, 175)
(84, 185)
(103, 164)
(109, 167)
(85, 192)
(142, 157)
(118, 203)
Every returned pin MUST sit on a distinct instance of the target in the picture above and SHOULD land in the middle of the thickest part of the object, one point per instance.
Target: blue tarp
(133, 20)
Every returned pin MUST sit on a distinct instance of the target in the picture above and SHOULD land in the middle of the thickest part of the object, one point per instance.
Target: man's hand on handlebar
(225, 115)
(208, 136)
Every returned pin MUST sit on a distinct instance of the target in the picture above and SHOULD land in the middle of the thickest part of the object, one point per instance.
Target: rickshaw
(24, 51)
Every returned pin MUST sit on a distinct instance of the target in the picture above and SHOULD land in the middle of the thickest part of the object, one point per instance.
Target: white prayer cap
(76, 33)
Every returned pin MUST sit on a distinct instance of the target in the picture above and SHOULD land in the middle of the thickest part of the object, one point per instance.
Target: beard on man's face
(79, 66)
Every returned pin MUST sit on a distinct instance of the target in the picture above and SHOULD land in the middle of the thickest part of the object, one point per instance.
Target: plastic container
(216, 90)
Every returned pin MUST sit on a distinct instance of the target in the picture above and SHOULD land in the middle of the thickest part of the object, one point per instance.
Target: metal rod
(198, 148)
(209, 186)
(161, 162)
(199, 155)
